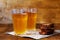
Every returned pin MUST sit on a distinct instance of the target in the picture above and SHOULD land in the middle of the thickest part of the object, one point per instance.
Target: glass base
(34, 34)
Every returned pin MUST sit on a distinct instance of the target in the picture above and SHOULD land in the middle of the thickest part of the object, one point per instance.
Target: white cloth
(35, 35)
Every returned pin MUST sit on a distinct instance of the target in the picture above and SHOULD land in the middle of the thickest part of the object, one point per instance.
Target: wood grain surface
(48, 10)
(9, 27)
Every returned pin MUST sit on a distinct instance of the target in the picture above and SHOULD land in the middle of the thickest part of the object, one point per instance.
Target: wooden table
(8, 27)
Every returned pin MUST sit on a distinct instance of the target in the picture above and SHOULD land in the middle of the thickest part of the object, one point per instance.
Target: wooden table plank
(8, 27)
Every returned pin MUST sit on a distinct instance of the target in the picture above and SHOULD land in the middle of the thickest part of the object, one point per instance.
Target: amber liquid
(32, 21)
(20, 23)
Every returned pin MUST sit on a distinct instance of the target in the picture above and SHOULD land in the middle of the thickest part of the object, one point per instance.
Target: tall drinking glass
(19, 21)
(32, 16)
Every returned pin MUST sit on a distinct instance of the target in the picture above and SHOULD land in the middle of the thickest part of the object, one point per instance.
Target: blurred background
(48, 10)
